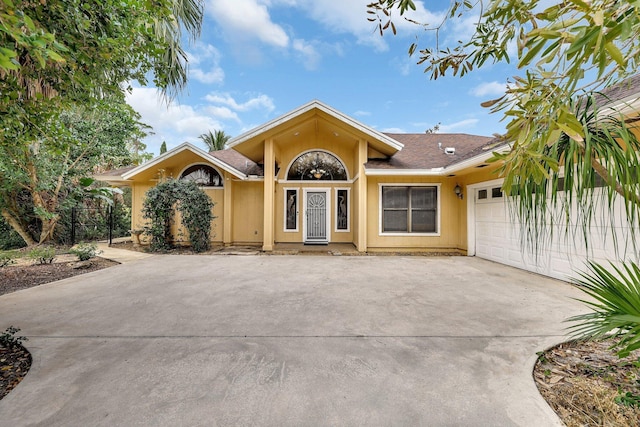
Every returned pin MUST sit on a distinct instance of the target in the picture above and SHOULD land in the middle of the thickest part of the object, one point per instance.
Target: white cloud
(214, 76)
(205, 57)
(393, 130)
(222, 113)
(457, 126)
(252, 18)
(361, 113)
(247, 19)
(308, 53)
(489, 89)
(173, 124)
(351, 17)
(258, 102)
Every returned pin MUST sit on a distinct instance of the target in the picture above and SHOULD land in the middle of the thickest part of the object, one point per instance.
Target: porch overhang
(251, 143)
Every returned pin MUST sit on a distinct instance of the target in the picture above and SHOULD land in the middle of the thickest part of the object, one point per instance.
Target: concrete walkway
(120, 255)
(287, 341)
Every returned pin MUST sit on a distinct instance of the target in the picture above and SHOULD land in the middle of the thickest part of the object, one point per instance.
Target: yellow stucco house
(317, 176)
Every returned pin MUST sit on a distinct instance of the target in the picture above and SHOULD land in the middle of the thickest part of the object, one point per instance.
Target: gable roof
(180, 148)
(387, 145)
(113, 176)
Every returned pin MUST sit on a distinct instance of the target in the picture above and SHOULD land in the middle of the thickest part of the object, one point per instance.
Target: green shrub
(42, 254)
(6, 259)
(194, 205)
(84, 251)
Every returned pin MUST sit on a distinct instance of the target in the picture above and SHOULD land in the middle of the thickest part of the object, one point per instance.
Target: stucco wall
(282, 236)
(248, 210)
(138, 190)
(449, 224)
(289, 147)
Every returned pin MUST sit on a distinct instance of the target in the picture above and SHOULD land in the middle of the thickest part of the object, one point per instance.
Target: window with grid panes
(408, 209)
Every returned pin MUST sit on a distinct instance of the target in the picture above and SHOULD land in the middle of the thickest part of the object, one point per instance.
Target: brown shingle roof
(116, 172)
(422, 150)
(620, 91)
(238, 162)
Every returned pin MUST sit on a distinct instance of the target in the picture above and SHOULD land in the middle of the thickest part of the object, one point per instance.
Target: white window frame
(337, 204)
(381, 232)
(284, 223)
(204, 187)
(489, 188)
(307, 181)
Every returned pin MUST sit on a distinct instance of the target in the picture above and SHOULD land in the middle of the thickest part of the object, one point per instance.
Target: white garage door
(497, 238)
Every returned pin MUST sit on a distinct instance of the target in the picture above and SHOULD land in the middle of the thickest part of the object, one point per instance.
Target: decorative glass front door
(316, 222)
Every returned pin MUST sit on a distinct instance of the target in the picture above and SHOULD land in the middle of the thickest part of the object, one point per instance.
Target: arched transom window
(203, 175)
(317, 166)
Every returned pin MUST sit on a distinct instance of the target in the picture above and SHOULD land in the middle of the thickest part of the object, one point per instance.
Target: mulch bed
(15, 360)
(14, 278)
(586, 384)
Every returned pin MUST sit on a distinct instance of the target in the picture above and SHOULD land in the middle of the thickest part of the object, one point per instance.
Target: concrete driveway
(287, 341)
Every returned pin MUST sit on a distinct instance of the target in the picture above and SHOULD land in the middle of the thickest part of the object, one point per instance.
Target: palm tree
(186, 17)
(566, 194)
(38, 66)
(215, 141)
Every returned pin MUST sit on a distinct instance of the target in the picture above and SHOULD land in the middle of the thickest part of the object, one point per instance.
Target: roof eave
(180, 148)
(392, 143)
(115, 180)
(441, 171)
(624, 106)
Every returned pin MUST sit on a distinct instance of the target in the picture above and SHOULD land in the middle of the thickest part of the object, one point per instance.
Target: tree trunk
(48, 227)
(604, 174)
(18, 228)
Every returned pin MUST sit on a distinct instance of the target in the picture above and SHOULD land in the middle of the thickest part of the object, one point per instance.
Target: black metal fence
(103, 223)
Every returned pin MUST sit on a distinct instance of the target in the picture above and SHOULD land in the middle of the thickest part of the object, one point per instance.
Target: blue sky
(258, 59)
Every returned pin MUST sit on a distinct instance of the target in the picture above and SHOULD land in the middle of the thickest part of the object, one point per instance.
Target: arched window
(203, 175)
(317, 166)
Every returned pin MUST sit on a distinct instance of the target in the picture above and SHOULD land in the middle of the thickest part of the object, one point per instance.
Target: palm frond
(565, 197)
(615, 305)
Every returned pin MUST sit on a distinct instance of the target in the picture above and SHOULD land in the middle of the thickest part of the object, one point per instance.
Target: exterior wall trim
(284, 211)
(322, 150)
(349, 207)
(474, 161)
(204, 164)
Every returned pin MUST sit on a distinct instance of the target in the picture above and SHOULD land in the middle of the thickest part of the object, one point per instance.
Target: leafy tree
(39, 181)
(215, 141)
(62, 47)
(569, 54)
(163, 147)
(58, 55)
